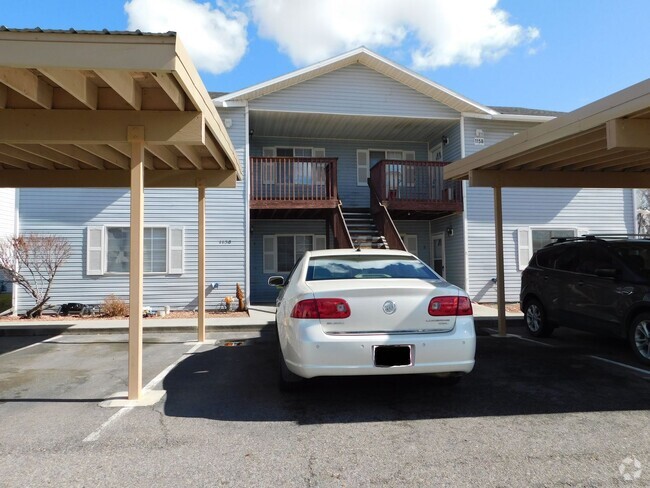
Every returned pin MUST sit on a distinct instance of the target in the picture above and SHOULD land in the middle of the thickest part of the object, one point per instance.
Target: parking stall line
(623, 365)
(32, 345)
(149, 386)
(517, 336)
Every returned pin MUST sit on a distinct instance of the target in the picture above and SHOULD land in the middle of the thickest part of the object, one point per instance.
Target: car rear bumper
(313, 353)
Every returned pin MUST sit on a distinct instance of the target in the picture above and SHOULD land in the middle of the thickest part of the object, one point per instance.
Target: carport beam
(136, 264)
(501, 282)
(201, 335)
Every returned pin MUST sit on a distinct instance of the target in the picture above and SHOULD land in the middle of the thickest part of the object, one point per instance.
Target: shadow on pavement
(512, 377)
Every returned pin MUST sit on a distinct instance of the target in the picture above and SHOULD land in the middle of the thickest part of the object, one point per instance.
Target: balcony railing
(288, 182)
(415, 185)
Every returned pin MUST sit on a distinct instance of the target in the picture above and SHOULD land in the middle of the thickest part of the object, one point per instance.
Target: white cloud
(436, 32)
(215, 37)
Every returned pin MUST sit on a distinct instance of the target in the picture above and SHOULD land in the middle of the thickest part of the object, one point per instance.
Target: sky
(544, 54)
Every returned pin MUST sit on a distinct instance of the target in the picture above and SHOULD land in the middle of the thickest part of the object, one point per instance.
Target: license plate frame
(393, 356)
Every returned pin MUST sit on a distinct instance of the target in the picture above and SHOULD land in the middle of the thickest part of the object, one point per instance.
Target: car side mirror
(606, 272)
(276, 281)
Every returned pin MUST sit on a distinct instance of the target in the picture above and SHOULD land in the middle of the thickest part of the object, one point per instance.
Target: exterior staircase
(363, 230)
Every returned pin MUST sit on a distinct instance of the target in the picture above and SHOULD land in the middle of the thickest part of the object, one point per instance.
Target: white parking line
(31, 345)
(517, 336)
(149, 386)
(623, 365)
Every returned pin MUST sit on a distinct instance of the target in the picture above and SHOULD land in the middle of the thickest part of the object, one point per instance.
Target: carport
(605, 144)
(112, 110)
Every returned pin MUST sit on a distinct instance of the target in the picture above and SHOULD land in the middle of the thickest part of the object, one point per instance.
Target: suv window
(592, 257)
(561, 257)
(636, 255)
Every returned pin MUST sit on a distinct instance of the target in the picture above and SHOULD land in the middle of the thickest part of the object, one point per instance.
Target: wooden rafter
(28, 85)
(109, 154)
(124, 85)
(190, 154)
(75, 83)
(164, 154)
(171, 88)
(50, 154)
(27, 157)
(79, 154)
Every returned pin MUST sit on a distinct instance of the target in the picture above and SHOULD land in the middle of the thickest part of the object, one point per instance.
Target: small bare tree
(32, 261)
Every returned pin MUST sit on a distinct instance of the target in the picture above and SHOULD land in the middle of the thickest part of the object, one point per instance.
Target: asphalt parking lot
(563, 411)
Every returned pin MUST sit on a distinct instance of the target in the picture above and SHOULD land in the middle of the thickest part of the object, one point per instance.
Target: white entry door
(438, 253)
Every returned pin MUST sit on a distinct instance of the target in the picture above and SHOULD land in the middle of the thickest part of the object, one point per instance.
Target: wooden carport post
(201, 325)
(501, 282)
(136, 266)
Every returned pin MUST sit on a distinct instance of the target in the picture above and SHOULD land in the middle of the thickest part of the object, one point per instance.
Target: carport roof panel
(67, 99)
(605, 136)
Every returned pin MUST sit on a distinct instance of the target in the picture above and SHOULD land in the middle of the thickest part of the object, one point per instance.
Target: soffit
(608, 137)
(67, 99)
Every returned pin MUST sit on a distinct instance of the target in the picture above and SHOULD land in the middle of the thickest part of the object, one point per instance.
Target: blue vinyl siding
(346, 151)
(68, 213)
(595, 210)
(261, 292)
(356, 90)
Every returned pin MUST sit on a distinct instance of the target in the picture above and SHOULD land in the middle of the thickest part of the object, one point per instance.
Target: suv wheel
(639, 337)
(535, 317)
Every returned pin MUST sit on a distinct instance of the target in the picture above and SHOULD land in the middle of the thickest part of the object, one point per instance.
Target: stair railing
(383, 220)
(342, 237)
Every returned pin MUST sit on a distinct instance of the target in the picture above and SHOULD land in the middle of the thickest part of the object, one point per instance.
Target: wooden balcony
(293, 187)
(415, 189)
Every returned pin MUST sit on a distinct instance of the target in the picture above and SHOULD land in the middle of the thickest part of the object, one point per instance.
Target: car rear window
(367, 267)
(635, 255)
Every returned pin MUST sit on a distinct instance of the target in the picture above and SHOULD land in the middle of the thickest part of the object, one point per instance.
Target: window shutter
(320, 243)
(318, 152)
(523, 246)
(176, 253)
(270, 256)
(363, 167)
(268, 152)
(94, 251)
(411, 244)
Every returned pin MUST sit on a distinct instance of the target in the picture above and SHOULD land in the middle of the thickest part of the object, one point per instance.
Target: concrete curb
(79, 329)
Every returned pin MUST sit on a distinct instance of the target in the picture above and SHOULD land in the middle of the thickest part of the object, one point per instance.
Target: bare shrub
(115, 307)
(32, 262)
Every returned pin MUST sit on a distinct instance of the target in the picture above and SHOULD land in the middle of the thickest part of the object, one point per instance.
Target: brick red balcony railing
(293, 182)
(415, 185)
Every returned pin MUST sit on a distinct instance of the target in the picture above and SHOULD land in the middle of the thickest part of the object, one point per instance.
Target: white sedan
(371, 312)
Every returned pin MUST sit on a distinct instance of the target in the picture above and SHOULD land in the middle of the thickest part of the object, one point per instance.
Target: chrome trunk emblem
(389, 307)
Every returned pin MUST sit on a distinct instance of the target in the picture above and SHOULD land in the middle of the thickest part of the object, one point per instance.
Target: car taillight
(321, 308)
(447, 306)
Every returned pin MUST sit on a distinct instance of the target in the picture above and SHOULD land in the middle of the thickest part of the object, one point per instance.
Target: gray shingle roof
(527, 111)
(75, 31)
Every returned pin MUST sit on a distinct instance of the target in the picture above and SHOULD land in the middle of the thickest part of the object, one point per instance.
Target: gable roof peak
(372, 60)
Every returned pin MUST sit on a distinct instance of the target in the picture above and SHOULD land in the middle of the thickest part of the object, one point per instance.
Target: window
(543, 237)
(282, 251)
(108, 250)
(396, 174)
(411, 242)
(367, 267)
(300, 172)
(531, 239)
(117, 249)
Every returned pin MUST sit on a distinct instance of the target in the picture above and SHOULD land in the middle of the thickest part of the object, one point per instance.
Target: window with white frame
(396, 174)
(301, 173)
(108, 250)
(531, 239)
(282, 251)
(411, 242)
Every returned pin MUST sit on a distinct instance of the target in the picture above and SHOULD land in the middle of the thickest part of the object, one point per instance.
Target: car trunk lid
(381, 306)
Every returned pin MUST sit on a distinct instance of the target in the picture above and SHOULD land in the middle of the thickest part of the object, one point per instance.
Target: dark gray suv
(593, 283)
